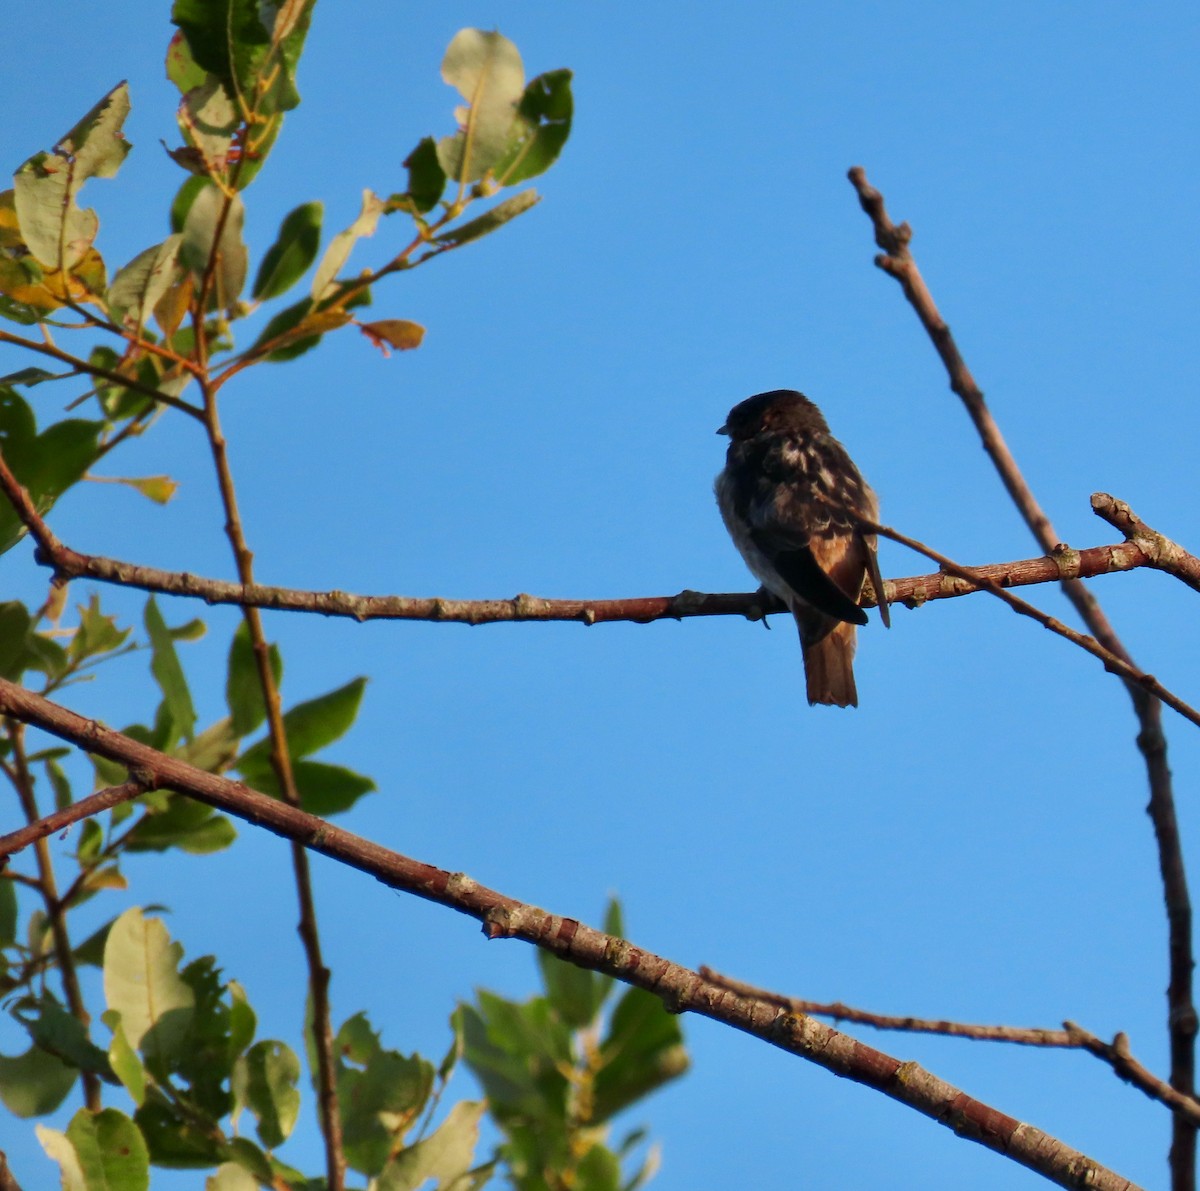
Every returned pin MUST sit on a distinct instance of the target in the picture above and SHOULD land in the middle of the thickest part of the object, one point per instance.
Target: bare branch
(1071, 1037)
(85, 808)
(1182, 1022)
(681, 989)
(1160, 551)
(1113, 662)
(914, 591)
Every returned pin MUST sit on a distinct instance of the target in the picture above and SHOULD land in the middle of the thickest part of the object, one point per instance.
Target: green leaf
(56, 230)
(426, 178)
(251, 47)
(182, 68)
(226, 38)
(34, 1083)
(486, 69)
(310, 726)
(142, 983)
(341, 245)
(296, 330)
(326, 789)
(91, 950)
(229, 1176)
(295, 248)
(214, 749)
(573, 991)
(33, 376)
(243, 691)
(47, 656)
(643, 1050)
(178, 1141)
(489, 221)
(111, 1150)
(97, 633)
(356, 1041)
(541, 129)
(91, 840)
(455, 1052)
(46, 464)
(139, 286)
(519, 1053)
(60, 1149)
(380, 1104)
(446, 1155)
(8, 911)
(210, 120)
(60, 1033)
(264, 1079)
(15, 626)
(212, 237)
(127, 1066)
(598, 1170)
(182, 203)
(168, 673)
(184, 823)
(242, 1021)
(206, 1064)
(252, 1160)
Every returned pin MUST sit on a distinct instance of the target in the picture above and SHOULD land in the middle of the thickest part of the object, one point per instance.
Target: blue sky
(971, 842)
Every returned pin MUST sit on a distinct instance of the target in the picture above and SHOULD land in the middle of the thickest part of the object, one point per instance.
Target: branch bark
(1116, 1054)
(681, 990)
(897, 260)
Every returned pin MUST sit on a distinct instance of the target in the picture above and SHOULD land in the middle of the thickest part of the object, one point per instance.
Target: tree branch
(1059, 565)
(1182, 1022)
(1071, 1037)
(90, 369)
(55, 906)
(681, 990)
(85, 808)
(1160, 551)
(281, 764)
(1113, 662)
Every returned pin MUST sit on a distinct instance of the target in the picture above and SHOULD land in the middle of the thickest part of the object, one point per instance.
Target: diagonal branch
(681, 989)
(1113, 662)
(1182, 1023)
(85, 808)
(1160, 552)
(1071, 1037)
(87, 368)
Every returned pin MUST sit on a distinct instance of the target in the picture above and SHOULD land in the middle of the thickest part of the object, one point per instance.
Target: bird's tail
(828, 664)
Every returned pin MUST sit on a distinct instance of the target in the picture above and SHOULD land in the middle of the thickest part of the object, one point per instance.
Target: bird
(794, 504)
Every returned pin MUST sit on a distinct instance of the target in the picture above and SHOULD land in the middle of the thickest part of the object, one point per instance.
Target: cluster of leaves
(180, 1045)
(559, 1067)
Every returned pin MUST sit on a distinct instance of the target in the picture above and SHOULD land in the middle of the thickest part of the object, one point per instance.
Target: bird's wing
(821, 571)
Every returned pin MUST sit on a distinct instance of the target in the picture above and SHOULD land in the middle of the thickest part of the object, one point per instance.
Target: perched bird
(792, 501)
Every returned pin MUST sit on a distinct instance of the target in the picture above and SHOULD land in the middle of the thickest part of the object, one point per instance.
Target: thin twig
(1160, 551)
(55, 908)
(1071, 1037)
(281, 764)
(89, 369)
(681, 989)
(1182, 1022)
(85, 808)
(1113, 662)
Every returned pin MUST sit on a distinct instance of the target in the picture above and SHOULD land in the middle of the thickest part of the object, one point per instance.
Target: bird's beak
(722, 429)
